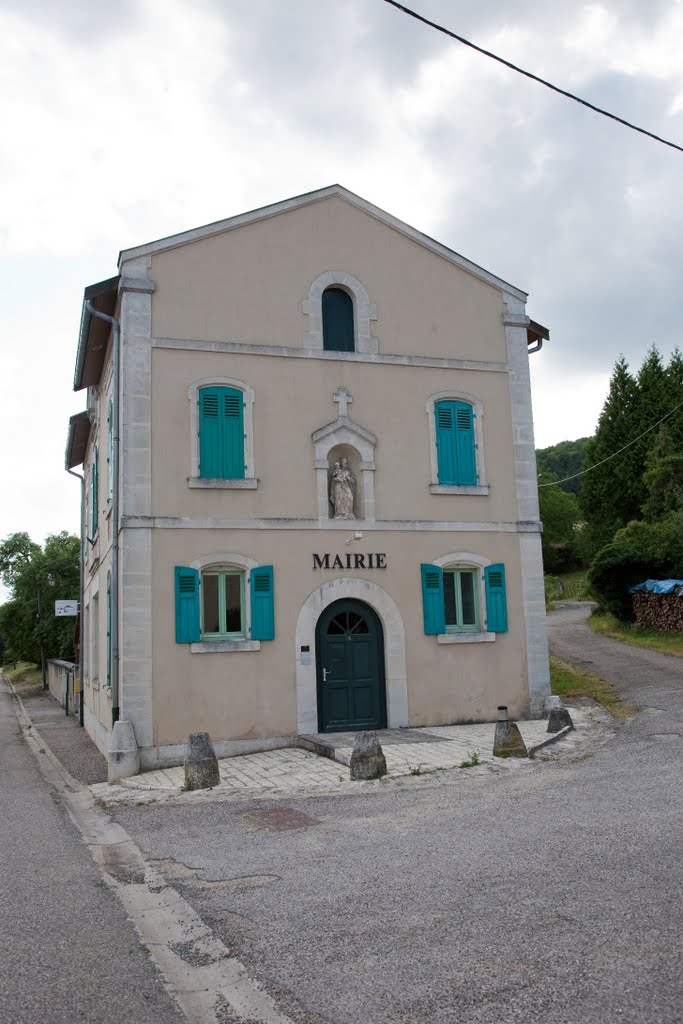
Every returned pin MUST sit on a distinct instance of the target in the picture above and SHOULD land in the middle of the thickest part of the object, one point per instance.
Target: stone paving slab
(293, 770)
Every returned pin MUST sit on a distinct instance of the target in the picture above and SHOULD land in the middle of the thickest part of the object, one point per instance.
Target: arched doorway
(350, 668)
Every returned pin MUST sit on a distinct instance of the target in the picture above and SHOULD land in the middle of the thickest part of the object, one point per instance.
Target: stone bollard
(201, 764)
(123, 756)
(559, 718)
(507, 741)
(550, 702)
(367, 757)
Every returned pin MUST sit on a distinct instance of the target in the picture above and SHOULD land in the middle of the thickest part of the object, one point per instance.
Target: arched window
(338, 325)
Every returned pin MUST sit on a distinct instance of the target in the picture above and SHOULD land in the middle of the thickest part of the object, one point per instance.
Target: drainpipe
(116, 335)
(536, 347)
(80, 597)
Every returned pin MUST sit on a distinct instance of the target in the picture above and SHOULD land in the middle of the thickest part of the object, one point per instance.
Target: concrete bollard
(550, 702)
(367, 757)
(507, 741)
(123, 756)
(201, 764)
(559, 718)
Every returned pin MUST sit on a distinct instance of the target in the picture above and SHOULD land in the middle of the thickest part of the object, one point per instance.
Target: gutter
(89, 308)
(81, 712)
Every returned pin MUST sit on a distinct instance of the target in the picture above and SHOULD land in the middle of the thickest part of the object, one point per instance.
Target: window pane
(211, 622)
(449, 598)
(469, 613)
(233, 605)
(337, 307)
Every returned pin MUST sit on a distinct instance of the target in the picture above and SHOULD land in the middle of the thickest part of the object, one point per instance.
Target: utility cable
(529, 74)
(583, 472)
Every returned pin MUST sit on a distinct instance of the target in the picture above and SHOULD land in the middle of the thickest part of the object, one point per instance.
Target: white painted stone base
(123, 756)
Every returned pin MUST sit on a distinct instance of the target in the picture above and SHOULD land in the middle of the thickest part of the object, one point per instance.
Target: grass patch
(569, 586)
(639, 636)
(473, 760)
(567, 681)
(23, 675)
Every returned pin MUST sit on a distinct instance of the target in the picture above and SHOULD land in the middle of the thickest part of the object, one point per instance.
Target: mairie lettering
(351, 560)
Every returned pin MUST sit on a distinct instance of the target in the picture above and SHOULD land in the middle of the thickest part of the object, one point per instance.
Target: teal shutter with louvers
(496, 601)
(186, 605)
(221, 433)
(464, 443)
(262, 603)
(455, 447)
(95, 484)
(432, 599)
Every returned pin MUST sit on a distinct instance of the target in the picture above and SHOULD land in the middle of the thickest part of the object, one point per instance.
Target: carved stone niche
(338, 440)
(352, 455)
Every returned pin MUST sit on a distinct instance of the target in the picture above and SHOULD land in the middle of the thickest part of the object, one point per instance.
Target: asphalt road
(67, 949)
(549, 892)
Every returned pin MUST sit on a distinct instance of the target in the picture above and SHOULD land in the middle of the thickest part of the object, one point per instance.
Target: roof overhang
(94, 333)
(536, 334)
(77, 440)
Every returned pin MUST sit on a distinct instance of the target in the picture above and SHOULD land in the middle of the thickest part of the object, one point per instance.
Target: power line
(529, 74)
(553, 483)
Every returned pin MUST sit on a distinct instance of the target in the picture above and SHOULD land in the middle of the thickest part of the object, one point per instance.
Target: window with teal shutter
(186, 605)
(110, 450)
(496, 600)
(94, 487)
(455, 445)
(109, 636)
(433, 599)
(262, 603)
(221, 433)
(338, 321)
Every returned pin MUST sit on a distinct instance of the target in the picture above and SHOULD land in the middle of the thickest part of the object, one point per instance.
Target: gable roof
(275, 209)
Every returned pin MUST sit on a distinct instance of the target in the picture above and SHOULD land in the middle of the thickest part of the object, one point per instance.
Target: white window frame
(249, 482)
(364, 312)
(227, 560)
(467, 560)
(482, 488)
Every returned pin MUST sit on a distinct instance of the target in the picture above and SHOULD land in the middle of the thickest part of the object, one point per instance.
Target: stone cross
(343, 399)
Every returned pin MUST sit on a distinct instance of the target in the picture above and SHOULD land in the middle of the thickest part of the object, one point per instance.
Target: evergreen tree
(609, 495)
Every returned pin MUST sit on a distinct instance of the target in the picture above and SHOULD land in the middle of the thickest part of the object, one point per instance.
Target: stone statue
(342, 490)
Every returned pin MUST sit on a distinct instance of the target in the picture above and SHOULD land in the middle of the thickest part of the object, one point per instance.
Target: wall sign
(350, 560)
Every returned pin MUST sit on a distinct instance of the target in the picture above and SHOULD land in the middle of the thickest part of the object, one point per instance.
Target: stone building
(310, 484)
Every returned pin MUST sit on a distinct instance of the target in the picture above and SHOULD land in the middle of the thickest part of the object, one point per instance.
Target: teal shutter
(464, 443)
(186, 605)
(455, 448)
(444, 416)
(221, 433)
(496, 601)
(262, 603)
(432, 599)
(94, 483)
(109, 637)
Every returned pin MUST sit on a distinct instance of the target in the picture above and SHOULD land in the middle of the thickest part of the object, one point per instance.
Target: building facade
(310, 484)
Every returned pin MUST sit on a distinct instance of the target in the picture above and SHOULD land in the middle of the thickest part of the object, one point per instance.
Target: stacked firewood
(663, 612)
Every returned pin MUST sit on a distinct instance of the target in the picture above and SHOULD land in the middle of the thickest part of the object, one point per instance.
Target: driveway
(652, 680)
(551, 892)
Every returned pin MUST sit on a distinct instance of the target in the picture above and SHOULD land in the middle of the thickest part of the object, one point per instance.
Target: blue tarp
(659, 586)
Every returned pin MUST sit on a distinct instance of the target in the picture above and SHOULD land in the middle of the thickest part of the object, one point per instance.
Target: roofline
(275, 209)
(92, 292)
(74, 422)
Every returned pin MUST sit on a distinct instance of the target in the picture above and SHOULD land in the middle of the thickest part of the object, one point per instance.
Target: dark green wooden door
(350, 663)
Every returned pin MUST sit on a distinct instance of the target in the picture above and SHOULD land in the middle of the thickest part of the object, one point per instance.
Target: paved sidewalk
(293, 770)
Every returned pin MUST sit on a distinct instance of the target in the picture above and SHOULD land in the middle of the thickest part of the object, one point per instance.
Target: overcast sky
(128, 122)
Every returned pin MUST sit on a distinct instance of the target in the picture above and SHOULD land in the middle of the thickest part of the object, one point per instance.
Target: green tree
(663, 478)
(36, 578)
(609, 496)
(565, 459)
(560, 513)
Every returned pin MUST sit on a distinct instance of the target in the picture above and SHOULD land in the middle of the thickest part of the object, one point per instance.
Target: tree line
(623, 516)
(36, 577)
